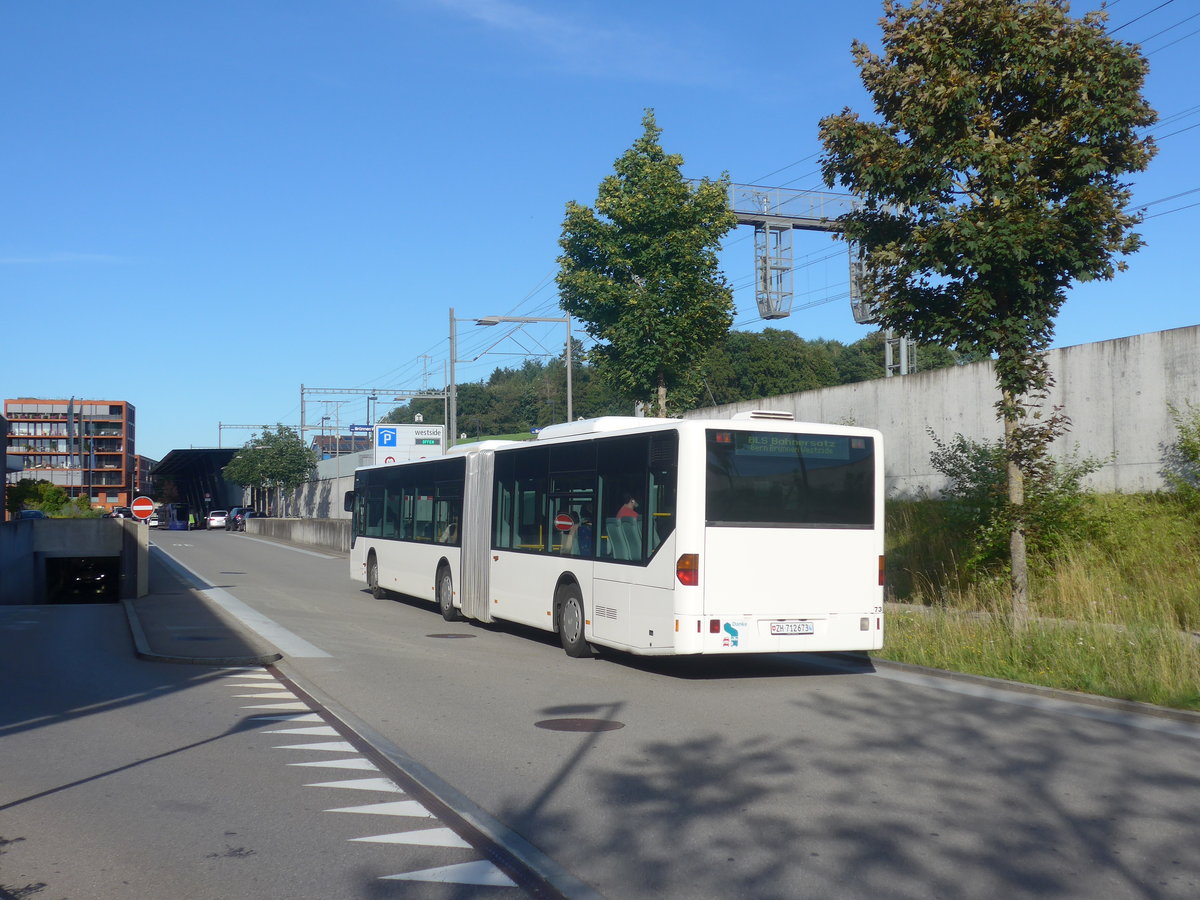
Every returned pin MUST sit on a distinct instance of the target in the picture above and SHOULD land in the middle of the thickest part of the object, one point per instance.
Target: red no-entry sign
(564, 522)
(142, 507)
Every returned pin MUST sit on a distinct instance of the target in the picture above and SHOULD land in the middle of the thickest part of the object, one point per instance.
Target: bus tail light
(881, 571)
(687, 569)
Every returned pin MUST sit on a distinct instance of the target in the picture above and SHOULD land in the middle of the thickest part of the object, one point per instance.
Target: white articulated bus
(653, 536)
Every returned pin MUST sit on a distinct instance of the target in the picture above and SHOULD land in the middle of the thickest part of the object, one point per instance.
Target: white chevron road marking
(481, 873)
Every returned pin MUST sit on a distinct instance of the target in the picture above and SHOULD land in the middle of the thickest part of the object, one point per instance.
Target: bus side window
(374, 512)
(621, 467)
(660, 500)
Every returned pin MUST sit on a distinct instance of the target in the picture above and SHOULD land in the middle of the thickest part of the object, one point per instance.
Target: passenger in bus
(586, 538)
(449, 534)
(630, 509)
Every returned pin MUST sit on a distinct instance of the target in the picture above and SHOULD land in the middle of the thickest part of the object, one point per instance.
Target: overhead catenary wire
(1142, 16)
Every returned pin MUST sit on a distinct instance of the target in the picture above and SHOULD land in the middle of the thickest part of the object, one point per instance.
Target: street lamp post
(496, 320)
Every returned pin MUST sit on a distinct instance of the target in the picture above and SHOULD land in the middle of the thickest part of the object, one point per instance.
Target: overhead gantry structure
(775, 213)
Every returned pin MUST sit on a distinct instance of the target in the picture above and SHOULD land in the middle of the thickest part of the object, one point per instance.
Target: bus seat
(633, 537)
(616, 539)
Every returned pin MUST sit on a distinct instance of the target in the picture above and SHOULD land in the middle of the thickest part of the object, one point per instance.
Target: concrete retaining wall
(26, 544)
(1115, 392)
(332, 534)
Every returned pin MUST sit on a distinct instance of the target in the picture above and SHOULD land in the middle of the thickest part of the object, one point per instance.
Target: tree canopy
(640, 272)
(276, 458)
(992, 180)
(52, 499)
(744, 365)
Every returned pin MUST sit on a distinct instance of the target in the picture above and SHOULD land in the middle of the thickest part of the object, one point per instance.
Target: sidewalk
(175, 623)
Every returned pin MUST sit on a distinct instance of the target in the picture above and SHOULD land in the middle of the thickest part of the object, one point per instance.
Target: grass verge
(1114, 612)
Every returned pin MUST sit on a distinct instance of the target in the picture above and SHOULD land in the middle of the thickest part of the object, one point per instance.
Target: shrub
(1181, 468)
(976, 498)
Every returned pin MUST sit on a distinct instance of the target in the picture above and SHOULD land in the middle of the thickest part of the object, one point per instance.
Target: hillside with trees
(743, 366)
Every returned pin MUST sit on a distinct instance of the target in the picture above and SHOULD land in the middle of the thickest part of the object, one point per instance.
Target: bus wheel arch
(570, 618)
(444, 593)
(373, 577)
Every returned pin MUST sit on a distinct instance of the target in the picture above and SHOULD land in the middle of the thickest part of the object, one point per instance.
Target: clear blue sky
(207, 205)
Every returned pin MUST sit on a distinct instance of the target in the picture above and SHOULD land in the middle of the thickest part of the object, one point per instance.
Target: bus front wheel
(445, 595)
(373, 579)
(571, 621)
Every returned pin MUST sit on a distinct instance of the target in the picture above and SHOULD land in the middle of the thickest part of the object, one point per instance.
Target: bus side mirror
(348, 502)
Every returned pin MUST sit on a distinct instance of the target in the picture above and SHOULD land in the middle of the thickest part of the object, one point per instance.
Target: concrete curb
(142, 646)
(1020, 687)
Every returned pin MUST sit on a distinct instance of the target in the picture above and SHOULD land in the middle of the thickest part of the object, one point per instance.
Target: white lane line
(480, 873)
(315, 731)
(359, 763)
(363, 784)
(259, 676)
(279, 706)
(289, 717)
(272, 695)
(393, 808)
(287, 642)
(332, 746)
(286, 547)
(425, 837)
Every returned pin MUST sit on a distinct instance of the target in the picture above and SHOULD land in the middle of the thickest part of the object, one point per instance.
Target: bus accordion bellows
(755, 534)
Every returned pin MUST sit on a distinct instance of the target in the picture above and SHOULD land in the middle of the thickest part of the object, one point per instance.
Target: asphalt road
(777, 777)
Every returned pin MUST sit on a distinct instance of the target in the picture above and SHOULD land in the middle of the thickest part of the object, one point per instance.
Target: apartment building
(84, 446)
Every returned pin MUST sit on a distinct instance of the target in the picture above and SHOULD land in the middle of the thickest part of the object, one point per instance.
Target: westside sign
(396, 443)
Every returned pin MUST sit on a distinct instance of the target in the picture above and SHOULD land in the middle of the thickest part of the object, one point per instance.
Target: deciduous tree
(640, 271)
(273, 459)
(993, 179)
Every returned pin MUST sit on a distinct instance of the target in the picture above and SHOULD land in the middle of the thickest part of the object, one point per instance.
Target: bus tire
(445, 595)
(373, 579)
(569, 601)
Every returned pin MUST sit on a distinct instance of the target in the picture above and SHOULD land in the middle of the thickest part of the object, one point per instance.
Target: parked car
(216, 518)
(249, 514)
(121, 512)
(153, 520)
(32, 514)
(237, 515)
(252, 514)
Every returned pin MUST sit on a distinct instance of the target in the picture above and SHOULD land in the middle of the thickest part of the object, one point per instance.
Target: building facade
(86, 447)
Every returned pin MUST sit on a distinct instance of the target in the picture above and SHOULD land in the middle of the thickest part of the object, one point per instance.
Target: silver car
(216, 518)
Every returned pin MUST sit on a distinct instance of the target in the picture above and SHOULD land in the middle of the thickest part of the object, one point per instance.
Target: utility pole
(452, 387)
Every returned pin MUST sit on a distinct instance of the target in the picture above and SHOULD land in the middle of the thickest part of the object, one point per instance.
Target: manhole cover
(450, 636)
(579, 724)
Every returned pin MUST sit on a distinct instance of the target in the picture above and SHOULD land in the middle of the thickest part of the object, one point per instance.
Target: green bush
(1182, 465)
(977, 507)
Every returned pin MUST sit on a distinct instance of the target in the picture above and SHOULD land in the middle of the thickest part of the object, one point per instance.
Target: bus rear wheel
(373, 579)
(445, 595)
(571, 621)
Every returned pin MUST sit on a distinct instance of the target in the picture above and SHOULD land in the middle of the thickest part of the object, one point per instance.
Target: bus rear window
(775, 479)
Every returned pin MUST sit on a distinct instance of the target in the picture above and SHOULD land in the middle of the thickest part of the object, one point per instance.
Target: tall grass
(1114, 611)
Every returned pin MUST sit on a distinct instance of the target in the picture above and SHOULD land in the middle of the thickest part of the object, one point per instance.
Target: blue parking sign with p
(387, 437)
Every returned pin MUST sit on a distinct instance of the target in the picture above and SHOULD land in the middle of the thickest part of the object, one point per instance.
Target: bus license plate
(792, 628)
